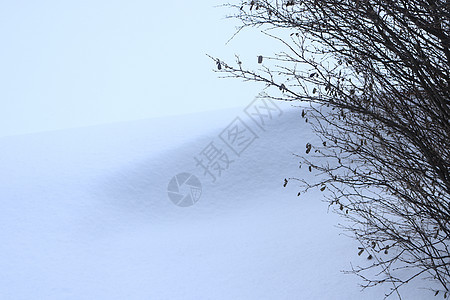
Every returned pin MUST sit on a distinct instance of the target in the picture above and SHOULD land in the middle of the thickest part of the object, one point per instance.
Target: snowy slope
(85, 214)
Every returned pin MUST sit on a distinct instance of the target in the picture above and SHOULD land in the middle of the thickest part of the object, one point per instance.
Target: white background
(77, 63)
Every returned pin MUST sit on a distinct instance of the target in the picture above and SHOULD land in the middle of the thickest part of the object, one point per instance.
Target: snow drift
(85, 214)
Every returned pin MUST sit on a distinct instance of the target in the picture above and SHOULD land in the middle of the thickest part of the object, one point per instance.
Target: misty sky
(77, 63)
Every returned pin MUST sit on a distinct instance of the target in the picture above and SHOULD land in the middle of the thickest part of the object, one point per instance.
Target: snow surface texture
(85, 214)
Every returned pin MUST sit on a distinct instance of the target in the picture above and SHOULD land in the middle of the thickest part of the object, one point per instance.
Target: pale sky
(78, 63)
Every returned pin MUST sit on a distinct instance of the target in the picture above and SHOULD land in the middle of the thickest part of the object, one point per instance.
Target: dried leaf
(308, 148)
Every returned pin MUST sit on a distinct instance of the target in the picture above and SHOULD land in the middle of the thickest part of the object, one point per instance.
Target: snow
(85, 214)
